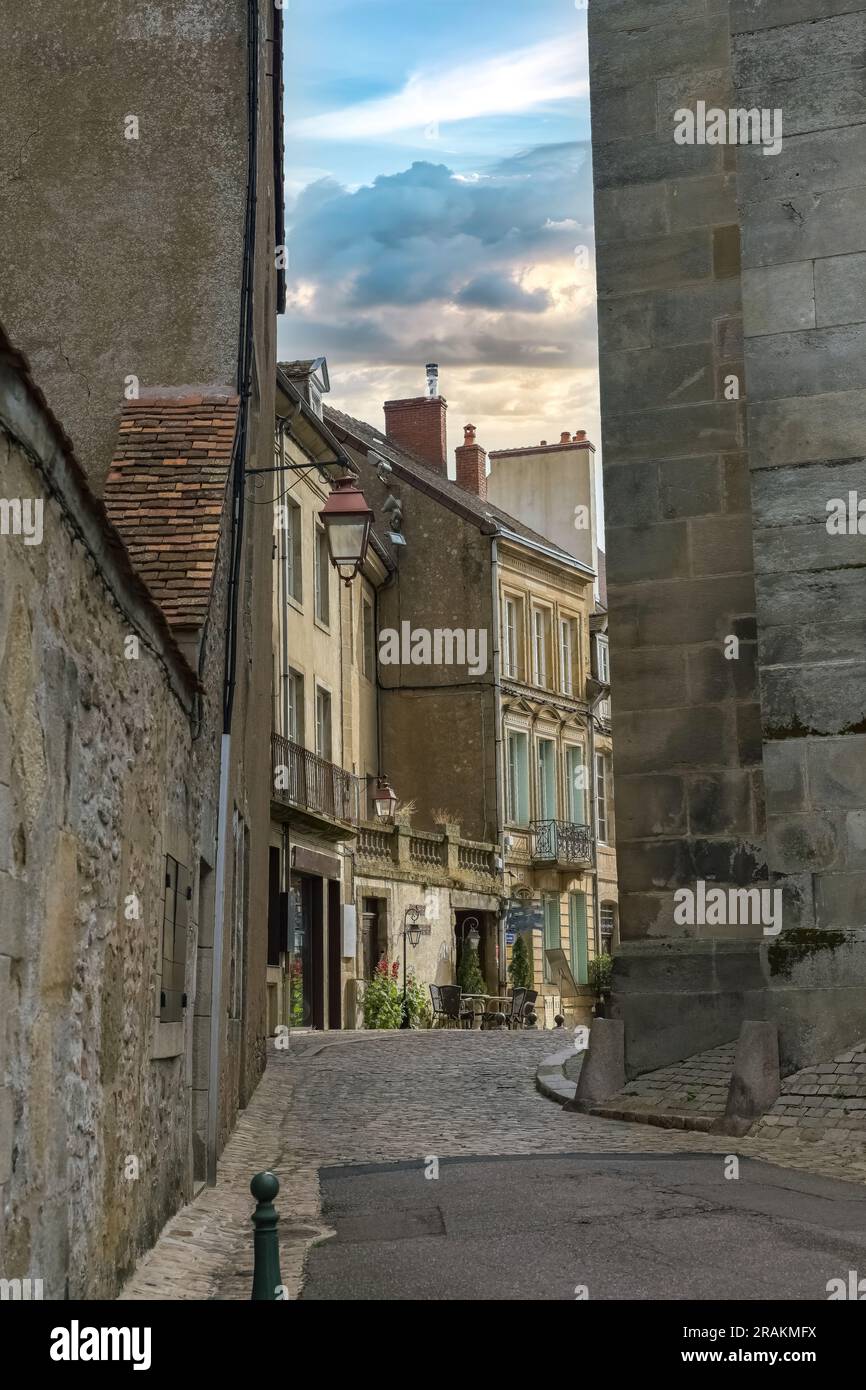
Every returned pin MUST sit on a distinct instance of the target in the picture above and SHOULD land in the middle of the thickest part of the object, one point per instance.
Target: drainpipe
(246, 332)
(594, 704)
(497, 747)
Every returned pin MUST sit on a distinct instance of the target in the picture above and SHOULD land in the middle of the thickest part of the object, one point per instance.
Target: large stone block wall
(804, 299)
(98, 781)
(679, 549)
(717, 510)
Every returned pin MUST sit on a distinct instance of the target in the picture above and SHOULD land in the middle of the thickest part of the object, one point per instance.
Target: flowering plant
(383, 999)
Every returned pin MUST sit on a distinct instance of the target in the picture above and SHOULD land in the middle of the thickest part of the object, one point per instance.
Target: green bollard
(267, 1283)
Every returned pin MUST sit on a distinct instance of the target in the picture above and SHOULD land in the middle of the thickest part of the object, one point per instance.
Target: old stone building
(734, 412)
(485, 633)
(135, 643)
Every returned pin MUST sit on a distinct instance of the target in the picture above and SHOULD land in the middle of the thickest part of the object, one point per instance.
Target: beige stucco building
(552, 487)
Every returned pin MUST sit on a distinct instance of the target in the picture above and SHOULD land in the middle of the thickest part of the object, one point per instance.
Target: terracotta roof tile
(165, 494)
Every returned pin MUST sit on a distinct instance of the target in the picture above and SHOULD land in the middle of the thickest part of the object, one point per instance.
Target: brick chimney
(471, 464)
(419, 424)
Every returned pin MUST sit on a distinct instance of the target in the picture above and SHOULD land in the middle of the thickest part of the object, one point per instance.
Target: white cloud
(504, 84)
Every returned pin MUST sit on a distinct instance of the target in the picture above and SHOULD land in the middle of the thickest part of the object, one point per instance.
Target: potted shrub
(600, 977)
(469, 976)
(520, 965)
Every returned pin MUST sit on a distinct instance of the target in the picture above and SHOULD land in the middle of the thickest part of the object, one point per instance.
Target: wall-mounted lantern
(347, 520)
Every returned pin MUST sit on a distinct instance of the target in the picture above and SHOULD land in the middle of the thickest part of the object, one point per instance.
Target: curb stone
(551, 1079)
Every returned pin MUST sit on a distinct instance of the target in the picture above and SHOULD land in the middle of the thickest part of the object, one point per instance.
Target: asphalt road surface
(599, 1226)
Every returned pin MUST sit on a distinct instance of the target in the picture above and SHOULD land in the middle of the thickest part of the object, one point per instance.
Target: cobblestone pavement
(336, 1098)
(696, 1086)
(827, 1101)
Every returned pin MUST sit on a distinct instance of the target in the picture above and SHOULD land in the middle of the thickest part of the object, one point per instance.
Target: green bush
(601, 973)
(520, 967)
(418, 1000)
(469, 976)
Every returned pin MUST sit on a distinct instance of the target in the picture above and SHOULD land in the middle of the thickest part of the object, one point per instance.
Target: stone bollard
(603, 1070)
(755, 1080)
(267, 1283)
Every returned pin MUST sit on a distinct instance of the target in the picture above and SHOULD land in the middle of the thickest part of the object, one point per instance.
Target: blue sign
(524, 915)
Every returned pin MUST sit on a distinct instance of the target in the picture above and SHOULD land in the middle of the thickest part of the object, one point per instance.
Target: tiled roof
(166, 491)
(487, 515)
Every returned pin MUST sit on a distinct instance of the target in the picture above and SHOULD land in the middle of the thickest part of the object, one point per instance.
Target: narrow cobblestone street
(376, 1098)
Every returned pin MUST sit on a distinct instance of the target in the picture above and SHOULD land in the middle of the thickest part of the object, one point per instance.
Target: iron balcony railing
(308, 781)
(561, 842)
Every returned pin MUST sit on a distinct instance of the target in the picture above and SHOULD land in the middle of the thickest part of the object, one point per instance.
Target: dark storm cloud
(491, 291)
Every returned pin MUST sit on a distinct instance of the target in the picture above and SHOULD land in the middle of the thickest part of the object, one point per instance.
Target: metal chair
(452, 1008)
(521, 1003)
(436, 1001)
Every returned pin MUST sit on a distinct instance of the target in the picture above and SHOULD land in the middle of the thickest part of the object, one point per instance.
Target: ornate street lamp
(413, 933)
(471, 937)
(347, 520)
(384, 800)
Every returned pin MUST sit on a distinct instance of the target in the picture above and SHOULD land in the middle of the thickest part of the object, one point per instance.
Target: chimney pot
(579, 434)
(565, 437)
(543, 444)
(471, 464)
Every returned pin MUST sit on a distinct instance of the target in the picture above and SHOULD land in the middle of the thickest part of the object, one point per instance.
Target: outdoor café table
(477, 1013)
(494, 1001)
(485, 1000)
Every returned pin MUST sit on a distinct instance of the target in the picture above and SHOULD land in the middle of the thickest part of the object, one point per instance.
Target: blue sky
(438, 185)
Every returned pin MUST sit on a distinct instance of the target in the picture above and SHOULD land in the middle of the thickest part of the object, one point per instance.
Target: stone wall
(98, 782)
(679, 551)
(127, 240)
(746, 769)
(804, 292)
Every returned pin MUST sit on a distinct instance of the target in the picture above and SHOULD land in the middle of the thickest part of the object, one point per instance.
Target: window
(510, 633)
(295, 726)
(567, 651)
(294, 574)
(546, 779)
(608, 927)
(323, 723)
(602, 797)
(368, 645)
(517, 780)
(575, 784)
(540, 646)
(323, 578)
(603, 660)
(175, 918)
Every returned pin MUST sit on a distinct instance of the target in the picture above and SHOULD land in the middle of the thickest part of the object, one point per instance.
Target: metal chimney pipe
(432, 380)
